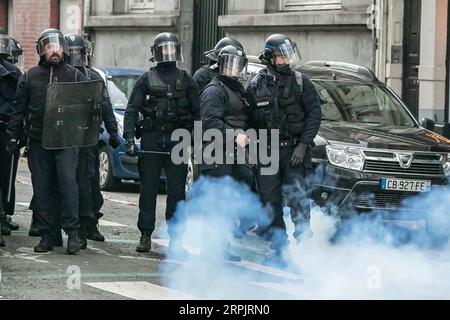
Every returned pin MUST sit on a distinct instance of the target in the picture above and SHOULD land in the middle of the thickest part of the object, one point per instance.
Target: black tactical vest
(37, 80)
(234, 114)
(278, 105)
(167, 107)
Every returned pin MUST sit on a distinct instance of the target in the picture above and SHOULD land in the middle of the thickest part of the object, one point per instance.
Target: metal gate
(206, 30)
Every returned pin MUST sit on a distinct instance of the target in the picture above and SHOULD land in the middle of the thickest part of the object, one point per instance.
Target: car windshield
(357, 102)
(119, 88)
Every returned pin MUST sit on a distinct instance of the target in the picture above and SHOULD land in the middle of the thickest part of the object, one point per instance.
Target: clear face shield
(286, 54)
(5, 47)
(168, 51)
(53, 42)
(232, 66)
(77, 57)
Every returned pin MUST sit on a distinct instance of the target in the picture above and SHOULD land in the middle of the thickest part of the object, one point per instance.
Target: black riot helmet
(5, 48)
(51, 39)
(231, 61)
(16, 50)
(166, 48)
(279, 51)
(76, 46)
(226, 41)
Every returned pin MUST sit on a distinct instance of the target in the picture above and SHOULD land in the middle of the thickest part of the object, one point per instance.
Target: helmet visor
(168, 51)
(77, 57)
(52, 42)
(5, 47)
(286, 54)
(231, 65)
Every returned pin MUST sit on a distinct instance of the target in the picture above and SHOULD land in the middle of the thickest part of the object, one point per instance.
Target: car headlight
(446, 165)
(345, 157)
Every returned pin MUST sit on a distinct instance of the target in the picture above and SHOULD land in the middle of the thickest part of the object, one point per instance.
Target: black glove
(114, 140)
(131, 148)
(298, 155)
(11, 147)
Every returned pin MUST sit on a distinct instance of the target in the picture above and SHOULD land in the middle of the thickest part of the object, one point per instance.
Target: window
(296, 5)
(141, 6)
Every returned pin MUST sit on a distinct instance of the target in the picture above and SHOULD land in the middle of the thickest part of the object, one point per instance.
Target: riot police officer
(286, 100)
(206, 73)
(223, 106)
(91, 199)
(48, 165)
(16, 55)
(9, 76)
(167, 97)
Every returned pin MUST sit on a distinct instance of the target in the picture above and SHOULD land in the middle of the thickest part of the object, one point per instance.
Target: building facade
(26, 19)
(404, 41)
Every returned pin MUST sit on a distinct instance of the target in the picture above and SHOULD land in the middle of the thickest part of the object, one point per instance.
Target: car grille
(416, 168)
(382, 200)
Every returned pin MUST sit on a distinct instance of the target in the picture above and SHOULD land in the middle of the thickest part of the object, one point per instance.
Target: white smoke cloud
(373, 260)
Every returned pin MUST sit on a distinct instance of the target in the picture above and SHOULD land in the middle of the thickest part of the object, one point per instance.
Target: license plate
(405, 185)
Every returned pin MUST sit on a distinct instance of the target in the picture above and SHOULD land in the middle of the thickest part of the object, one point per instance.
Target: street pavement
(113, 270)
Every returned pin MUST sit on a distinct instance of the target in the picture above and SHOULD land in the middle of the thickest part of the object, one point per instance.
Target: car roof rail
(344, 66)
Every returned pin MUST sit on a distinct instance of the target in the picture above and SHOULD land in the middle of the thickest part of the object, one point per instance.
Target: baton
(144, 152)
(8, 199)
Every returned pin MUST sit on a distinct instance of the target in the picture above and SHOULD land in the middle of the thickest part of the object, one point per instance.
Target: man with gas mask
(91, 199)
(53, 166)
(167, 98)
(224, 107)
(9, 76)
(206, 73)
(285, 100)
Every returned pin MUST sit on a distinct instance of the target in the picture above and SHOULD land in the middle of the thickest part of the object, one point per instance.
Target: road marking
(165, 243)
(106, 223)
(268, 270)
(24, 204)
(141, 290)
(243, 263)
(118, 199)
(294, 290)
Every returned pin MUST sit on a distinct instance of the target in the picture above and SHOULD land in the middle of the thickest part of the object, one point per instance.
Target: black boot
(12, 225)
(93, 233)
(83, 236)
(2, 241)
(45, 245)
(5, 230)
(57, 238)
(73, 242)
(34, 230)
(145, 244)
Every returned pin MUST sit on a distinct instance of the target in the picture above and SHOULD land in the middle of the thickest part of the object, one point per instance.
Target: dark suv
(370, 153)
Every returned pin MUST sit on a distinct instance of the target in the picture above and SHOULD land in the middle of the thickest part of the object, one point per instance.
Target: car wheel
(107, 180)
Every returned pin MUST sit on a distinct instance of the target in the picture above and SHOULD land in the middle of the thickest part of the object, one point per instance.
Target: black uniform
(289, 102)
(223, 106)
(203, 77)
(167, 97)
(9, 76)
(91, 199)
(47, 165)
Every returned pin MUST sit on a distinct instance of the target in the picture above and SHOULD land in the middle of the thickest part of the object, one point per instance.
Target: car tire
(107, 181)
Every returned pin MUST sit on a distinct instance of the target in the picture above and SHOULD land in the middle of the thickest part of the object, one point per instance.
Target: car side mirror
(428, 124)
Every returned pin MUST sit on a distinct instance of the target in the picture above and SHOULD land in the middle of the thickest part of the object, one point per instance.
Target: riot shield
(72, 114)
